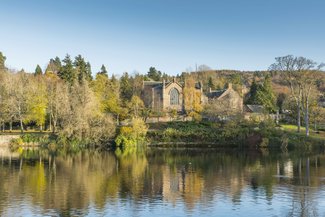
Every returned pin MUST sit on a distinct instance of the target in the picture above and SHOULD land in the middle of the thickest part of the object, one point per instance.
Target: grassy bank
(312, 134)
(238, 133)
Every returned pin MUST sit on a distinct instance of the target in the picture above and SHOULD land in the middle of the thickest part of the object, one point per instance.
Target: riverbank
(231, 134)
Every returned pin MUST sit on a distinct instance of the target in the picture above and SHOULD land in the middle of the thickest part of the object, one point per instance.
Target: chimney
(174, 79)
(210, 90)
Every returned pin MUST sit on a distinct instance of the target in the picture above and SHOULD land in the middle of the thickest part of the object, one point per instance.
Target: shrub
(132, 135)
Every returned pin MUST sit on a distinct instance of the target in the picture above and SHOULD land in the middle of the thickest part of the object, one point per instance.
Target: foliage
(2, 61)
(154, 74)
(67, 72)
(38, 71)
(133, 134)
(103, 71)
(54, 66)
(83, 69)
(126, 87)
(136, 106)
(262, 94)
(192, 99)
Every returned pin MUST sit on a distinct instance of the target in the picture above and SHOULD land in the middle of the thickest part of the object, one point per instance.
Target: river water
(162, 182)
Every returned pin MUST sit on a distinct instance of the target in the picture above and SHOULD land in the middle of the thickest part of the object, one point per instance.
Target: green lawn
(17, 132)
(293, 128)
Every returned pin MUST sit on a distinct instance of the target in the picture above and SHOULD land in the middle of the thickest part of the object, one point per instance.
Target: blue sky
(172, 35)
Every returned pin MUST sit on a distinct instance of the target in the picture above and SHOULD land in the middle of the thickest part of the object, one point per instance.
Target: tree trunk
(298, 116)
(50, 122)
(307, 116)
(21, 125)
(54, 126)
(315, 126)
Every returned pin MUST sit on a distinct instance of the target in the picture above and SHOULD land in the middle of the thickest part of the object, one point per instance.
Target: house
(227, 98)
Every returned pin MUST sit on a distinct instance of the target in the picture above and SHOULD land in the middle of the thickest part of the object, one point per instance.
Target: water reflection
(162, 182)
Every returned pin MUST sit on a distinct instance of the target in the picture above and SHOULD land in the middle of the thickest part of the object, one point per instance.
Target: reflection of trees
(65, 184)
(69, 184)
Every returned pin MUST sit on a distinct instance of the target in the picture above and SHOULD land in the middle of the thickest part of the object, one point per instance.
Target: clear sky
(172, 35)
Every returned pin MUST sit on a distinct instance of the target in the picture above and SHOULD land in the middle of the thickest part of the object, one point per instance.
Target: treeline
(293, 85)
(67, 100)
(61, 101)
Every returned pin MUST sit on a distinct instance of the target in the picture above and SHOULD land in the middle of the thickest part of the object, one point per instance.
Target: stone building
(228, 98)
(166, 96)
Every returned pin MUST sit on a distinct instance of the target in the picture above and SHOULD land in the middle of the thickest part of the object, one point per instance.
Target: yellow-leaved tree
(192, 99)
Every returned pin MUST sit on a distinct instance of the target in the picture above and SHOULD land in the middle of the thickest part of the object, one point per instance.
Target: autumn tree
(84, 120)
(36, 103)
(58, 101)
(17, 86)
(136, 106)
(107, 93)
(300, 74)
(192, 99)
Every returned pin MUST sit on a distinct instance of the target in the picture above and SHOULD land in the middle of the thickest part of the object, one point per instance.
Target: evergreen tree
(126, 87)
(67, 72)
(113, 79)
(262, 94)
(2, 61)
(154, 74)
(89, 76)
(54, 66)
(252, 93)
(103, 71)
(38, 71)
(211, 83)
(83, 69)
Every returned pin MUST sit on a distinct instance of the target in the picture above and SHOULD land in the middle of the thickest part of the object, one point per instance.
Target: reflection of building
(184, 184)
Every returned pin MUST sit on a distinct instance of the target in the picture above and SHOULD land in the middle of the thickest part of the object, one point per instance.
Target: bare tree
(301, 74)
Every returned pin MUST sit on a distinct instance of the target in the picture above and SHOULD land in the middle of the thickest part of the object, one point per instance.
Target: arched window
(174, 97)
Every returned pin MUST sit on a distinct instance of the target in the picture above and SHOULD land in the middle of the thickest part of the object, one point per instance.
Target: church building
(168, 95)
(165, 96)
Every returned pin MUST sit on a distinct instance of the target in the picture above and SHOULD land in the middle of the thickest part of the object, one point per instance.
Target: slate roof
(155, 84)
(254, 108)
(216, 93)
